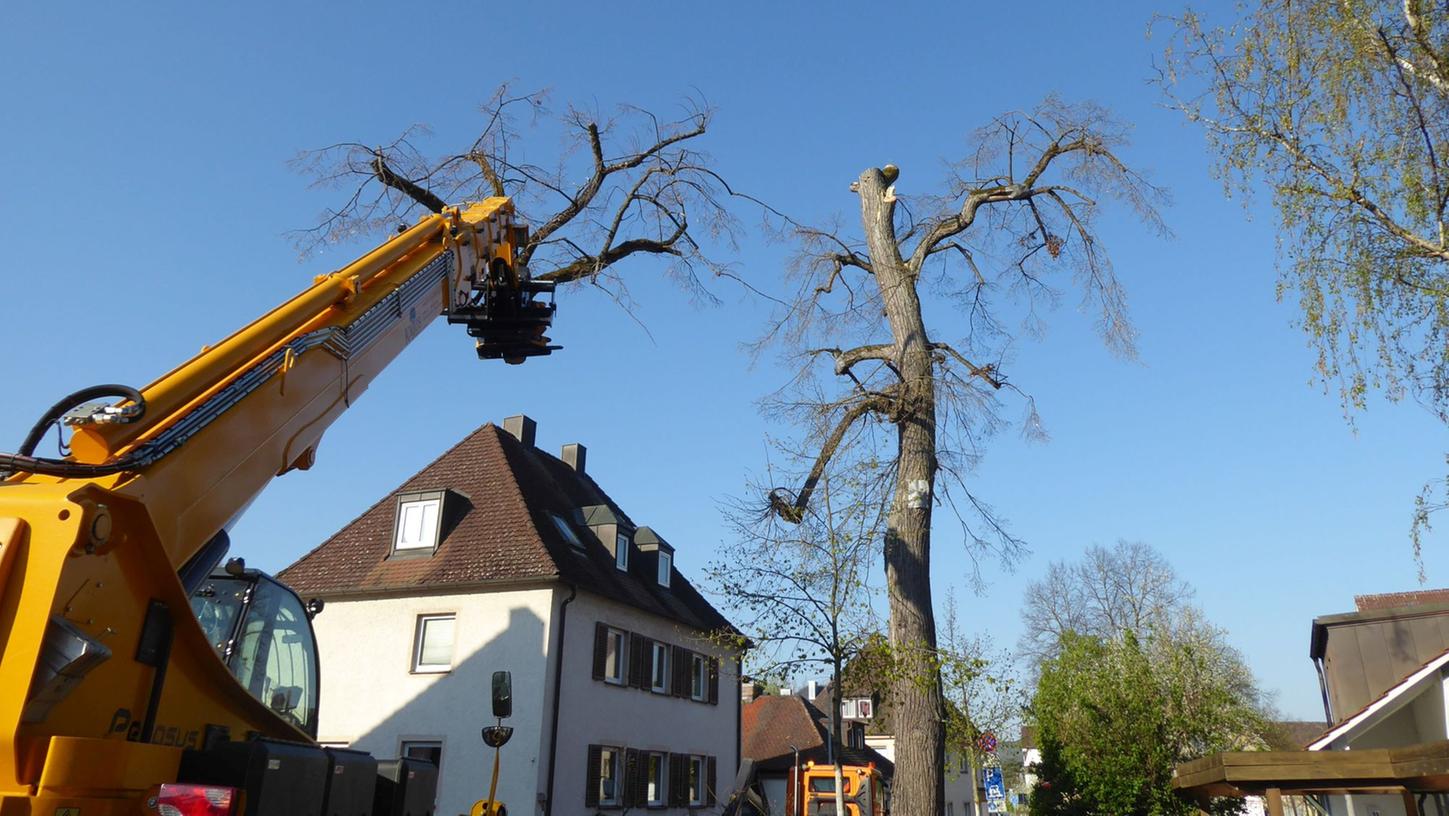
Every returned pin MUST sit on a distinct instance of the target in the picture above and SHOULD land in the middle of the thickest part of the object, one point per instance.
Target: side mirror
(502, 694)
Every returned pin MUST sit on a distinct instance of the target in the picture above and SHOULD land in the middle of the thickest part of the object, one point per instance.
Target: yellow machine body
(92, 556)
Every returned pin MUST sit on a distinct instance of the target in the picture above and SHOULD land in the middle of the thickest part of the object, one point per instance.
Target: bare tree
(1017, 214)
(801, 593)
(1128, 588)
(626, 185)
(983, 693)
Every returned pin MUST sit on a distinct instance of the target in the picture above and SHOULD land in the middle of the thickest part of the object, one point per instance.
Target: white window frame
(419, 634)
(698, 677)
(695, 780)
(621, 552)
(621, 657)
(660, 782)
(427, 538)
(615, 759)
(659, 669)
(666, 566)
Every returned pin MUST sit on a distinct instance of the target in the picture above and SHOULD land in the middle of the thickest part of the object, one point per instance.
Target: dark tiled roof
(503, 533)
(772, 723)
(1394, 600)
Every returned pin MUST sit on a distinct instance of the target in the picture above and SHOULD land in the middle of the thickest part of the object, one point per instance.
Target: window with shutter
(709, 780)
(659, 667)
(656, 782)
(611, 789)
(616, 656)
(698, 677)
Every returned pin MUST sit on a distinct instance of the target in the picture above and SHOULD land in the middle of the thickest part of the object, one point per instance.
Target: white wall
(597, 713)
(372, 700)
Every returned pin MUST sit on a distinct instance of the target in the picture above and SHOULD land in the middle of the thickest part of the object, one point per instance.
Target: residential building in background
(783, 732)
(499, 556)
(1384, 673)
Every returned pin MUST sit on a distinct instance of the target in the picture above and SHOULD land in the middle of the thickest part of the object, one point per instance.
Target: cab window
(276, 657)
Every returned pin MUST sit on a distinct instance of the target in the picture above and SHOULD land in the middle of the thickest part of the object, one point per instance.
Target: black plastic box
(351, 782)
(278, 778)
(405, 787)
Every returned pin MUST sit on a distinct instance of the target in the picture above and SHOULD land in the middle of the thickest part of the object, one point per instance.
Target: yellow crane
(115, 696)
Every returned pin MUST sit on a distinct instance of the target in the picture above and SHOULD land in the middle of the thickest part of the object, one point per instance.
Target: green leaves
(1116, 715)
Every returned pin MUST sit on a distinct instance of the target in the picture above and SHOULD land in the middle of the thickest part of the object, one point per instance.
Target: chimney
(521, 428)
(811, 690)
(574, 455)
(749, 690)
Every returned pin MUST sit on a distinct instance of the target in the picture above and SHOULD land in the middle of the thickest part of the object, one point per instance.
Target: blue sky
(147, 195)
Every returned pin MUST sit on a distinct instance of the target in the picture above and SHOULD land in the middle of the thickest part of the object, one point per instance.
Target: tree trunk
(915, 694)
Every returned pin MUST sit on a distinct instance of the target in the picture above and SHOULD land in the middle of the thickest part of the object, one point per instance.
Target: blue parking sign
(995, 789)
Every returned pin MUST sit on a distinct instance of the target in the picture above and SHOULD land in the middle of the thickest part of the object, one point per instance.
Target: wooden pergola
(1408, 772)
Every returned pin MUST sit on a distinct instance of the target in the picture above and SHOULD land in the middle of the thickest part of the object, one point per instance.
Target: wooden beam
(1411, 805)
(1275, 802)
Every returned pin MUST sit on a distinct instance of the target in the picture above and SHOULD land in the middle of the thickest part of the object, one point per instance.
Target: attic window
(621, 552)
(666, 565)
(416, 526)
(567, 531)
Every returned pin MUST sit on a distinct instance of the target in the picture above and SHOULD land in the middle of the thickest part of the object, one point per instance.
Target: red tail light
(193, 800)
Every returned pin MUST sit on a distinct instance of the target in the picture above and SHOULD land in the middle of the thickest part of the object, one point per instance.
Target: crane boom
(105, 674)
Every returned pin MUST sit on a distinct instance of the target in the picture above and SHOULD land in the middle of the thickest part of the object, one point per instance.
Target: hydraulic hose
(24, 460)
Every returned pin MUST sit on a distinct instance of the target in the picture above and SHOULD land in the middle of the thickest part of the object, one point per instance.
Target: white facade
(373, 699)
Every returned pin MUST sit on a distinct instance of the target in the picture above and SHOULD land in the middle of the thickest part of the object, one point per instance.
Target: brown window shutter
(630, 782)
(591, 776)
(681, 672)
(678, 780)
(601, 648)
(638, 660)
(713, 682)
(709, 781)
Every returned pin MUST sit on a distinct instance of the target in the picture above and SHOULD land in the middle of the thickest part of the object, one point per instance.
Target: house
(1359, 655)
(500, 556)
(872, 727)
(782, 731)
(1382, 670)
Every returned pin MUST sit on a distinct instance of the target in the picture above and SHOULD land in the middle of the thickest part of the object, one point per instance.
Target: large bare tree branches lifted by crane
(622, 185)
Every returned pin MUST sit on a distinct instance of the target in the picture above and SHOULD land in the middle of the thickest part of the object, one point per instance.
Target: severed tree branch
(385, 176)
(794, 510)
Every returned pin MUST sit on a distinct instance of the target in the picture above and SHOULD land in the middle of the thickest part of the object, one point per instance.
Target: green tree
(1341, 108)
(1118, 714)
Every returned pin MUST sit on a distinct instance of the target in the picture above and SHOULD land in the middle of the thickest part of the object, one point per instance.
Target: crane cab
(262, 631)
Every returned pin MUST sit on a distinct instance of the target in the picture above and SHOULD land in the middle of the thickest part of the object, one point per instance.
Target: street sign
(995, 789)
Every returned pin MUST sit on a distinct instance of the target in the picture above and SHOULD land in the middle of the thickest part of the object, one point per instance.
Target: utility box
(405, 787)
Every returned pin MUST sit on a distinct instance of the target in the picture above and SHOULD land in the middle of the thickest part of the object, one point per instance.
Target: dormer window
(621, 552)
(567, 531)
(666, 566)
(415, 529)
